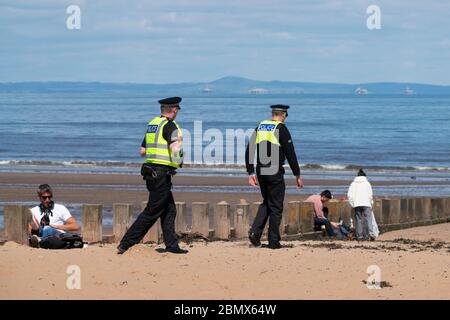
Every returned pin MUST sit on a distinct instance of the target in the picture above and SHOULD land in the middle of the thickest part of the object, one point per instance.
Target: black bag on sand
(62, 241)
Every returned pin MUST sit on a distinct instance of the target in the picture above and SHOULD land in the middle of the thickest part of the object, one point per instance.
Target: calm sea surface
(340, 130)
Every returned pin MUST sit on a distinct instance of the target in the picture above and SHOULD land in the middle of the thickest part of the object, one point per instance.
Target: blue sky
(198, 40)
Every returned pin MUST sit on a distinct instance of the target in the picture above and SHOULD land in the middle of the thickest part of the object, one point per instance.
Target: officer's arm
(250, 154)
(142, 148)
(289, 151)
(170, 133)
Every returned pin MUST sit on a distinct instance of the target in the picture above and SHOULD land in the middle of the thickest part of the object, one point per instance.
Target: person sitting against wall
(49, 219)
(321, 212)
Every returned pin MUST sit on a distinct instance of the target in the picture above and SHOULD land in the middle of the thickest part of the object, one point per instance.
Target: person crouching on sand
(321, 212)
(49, 218)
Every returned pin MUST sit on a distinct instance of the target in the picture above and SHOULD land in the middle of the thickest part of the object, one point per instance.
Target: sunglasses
(46, 197)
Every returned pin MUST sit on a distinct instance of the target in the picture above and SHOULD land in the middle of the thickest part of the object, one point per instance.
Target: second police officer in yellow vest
(271, 144)
(162, 147)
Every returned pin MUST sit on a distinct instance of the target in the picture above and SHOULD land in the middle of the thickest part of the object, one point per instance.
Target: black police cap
(279, 107)
(170, 102)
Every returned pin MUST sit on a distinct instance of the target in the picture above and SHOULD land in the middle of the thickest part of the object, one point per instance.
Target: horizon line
(221, 78)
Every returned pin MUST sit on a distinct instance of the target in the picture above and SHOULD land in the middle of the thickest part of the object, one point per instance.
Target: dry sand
(417, 268)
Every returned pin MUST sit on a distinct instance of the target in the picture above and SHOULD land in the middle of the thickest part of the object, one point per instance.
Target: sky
(199, 41)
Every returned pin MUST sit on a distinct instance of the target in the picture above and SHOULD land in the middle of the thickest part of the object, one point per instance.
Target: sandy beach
(414, 264)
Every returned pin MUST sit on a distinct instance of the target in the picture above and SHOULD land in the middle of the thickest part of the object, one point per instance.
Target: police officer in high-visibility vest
(162, 147)
(272, 144)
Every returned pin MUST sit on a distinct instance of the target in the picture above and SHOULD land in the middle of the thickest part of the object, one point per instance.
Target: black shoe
(121, 250)
(254, 239)
(274, 246)
(34, 241)
(177, 250)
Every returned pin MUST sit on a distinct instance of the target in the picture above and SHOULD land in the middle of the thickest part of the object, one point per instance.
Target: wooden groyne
(224, 221)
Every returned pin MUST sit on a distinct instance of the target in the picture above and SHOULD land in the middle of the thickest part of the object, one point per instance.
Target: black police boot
(274, 246)
(254, 239)
(121, 250)
(177, 250)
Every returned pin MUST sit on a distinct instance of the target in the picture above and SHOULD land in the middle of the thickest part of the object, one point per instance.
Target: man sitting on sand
(49, 218)
(321, 212)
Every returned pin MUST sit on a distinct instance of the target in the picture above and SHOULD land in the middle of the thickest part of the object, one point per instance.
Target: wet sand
(414, 267)
(107, 189)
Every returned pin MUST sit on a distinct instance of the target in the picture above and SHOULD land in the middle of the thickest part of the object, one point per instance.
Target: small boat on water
(258, 91)
(408, 91)
(361, 91)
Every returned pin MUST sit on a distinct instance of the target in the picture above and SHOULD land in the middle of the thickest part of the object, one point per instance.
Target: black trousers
(272, 190)
(160, 205)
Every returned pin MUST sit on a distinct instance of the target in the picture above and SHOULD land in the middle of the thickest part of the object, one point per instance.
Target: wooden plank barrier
(222, 221)
(122, 213)
(91, 219)
(241, 220)
(200, 218)
(16, 220)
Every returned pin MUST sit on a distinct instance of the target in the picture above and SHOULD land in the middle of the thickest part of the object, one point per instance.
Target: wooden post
(306, 217)
(426, 209)
(447, 207)
(434, 209)
(437, 205)
(411, 209)
(391, 211)
(394, 211)
(332, 210)
(16, 218)
(404, 211)
(121, 219)
(385, 209)
(180, 220)
(91, 219)
(153, 235)
(418, 209)
(344, 211)
(200, 218)
(222, 220)
(293, 217)
(241, 220)
(441, 208)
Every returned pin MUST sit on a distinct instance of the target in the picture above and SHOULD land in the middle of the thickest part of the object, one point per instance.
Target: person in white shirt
(360, 197)
(49, 218)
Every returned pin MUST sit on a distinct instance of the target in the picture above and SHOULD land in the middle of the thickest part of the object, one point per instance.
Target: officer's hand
(299, 182)
(252, 180)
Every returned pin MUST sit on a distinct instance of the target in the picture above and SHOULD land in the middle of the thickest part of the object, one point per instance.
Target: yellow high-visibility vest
(266, 132)
(157, 148)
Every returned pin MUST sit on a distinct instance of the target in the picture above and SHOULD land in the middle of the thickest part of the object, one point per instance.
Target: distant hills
(230, 85)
